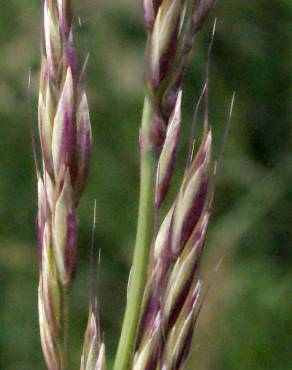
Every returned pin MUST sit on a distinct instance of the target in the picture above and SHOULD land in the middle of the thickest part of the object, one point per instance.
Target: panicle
(65, 137)
(173, 283)
(170, 289)
(65, 134)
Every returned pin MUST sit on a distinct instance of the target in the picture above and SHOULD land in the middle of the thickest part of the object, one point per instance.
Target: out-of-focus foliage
(245, 320)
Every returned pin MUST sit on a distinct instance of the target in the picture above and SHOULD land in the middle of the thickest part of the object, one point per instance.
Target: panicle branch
(65, 136)
(171, 298)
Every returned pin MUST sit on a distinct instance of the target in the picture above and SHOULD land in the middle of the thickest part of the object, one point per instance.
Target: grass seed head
(65, 136)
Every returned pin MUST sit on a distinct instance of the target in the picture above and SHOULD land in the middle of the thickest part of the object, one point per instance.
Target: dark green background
(245, 321)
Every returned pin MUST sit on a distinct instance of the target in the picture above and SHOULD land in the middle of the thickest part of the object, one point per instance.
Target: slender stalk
(142, 245)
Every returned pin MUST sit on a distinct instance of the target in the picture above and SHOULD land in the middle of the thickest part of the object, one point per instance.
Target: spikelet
(93, 354)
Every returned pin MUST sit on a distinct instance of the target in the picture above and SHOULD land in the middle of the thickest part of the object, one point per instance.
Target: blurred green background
(245, 321)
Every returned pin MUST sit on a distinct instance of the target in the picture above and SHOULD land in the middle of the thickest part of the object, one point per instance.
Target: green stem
(142, 245)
